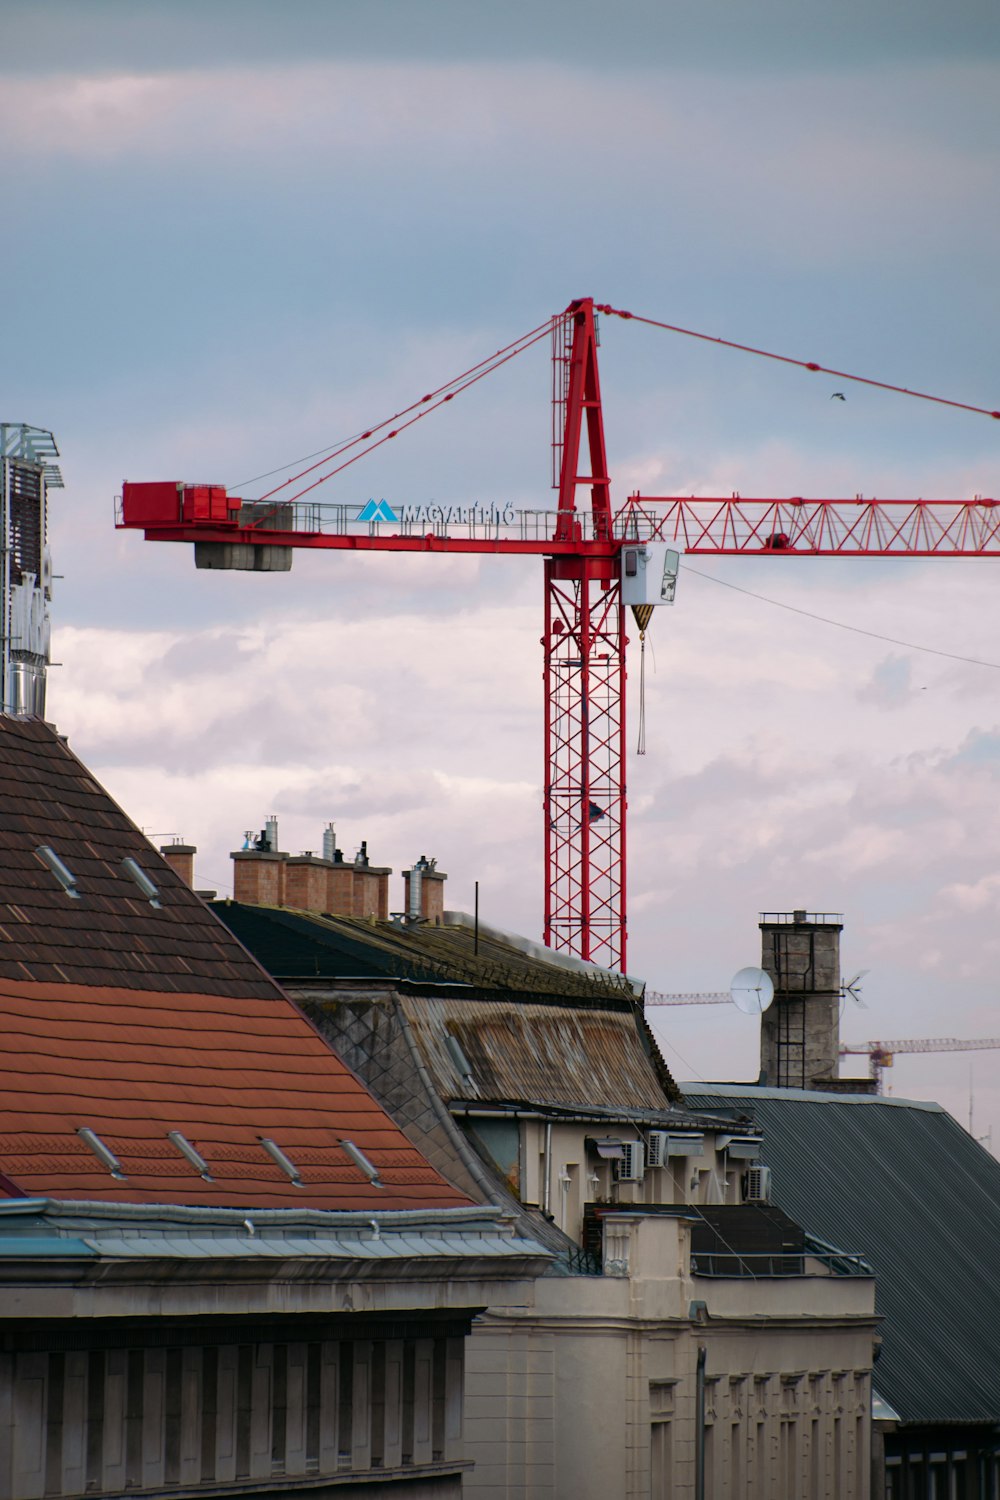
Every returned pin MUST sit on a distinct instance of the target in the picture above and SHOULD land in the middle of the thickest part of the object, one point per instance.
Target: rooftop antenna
(751, 991)
(850, 989)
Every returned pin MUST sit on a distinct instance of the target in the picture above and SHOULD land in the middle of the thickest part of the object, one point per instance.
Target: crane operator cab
(649, 573)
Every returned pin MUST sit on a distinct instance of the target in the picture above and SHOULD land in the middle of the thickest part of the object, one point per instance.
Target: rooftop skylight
(194, 1156)
(63, 874)
(359, 1159)
(142, 880)
(276, 1154)
(103, 1153)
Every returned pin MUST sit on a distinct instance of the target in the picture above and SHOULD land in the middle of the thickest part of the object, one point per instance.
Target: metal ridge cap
(669, 1118)
(753, 1091)
(24, 1205)
(631, 988)
(401, 1219)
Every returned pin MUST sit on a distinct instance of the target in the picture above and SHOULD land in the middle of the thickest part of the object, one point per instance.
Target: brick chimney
(265, 876)
(423, 891)
(259, 878)
(371, 887)
(259, 869)
(180, 857)
(306, 883)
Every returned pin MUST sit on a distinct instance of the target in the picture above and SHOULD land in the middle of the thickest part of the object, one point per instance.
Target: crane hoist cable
(420, 408)
(444, 393)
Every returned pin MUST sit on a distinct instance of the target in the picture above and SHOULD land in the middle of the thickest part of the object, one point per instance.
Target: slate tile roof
(902, 1183)
(132, 1022)
(111, 935)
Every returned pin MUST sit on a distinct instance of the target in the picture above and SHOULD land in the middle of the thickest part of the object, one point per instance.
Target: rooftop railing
(817, 1259)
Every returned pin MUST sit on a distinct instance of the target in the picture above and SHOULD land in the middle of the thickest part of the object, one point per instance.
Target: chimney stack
(266, 876)
(800, 1031)
(180, 857)
(259, 869)
(423, 891)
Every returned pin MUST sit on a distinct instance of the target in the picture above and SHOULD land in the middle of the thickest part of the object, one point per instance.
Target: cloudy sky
(237, 231)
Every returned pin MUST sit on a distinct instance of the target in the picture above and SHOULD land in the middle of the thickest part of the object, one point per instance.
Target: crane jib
(728, 526)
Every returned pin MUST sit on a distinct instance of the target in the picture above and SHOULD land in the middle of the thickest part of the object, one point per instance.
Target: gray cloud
(775, 34)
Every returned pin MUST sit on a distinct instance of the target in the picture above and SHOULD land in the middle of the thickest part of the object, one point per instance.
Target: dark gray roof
(294, 944)
(903, 1183)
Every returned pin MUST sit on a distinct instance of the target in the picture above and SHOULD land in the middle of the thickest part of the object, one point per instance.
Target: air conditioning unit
(757, 1185)
(631, 1167)
(658, 1143)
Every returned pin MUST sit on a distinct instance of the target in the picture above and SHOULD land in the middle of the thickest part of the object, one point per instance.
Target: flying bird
(838, 396)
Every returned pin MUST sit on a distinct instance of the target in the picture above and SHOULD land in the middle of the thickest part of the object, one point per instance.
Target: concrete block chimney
(800, 1031)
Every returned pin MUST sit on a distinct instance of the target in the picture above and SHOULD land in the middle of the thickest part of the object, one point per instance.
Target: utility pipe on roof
(547, 1170)
(416, 884)
(699, 1444)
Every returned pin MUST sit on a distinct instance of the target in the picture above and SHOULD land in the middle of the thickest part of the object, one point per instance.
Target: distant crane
(880, 1054)
(688, 997)
(849, 989)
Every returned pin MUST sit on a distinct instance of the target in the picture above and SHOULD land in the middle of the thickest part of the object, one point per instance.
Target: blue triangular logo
(377, 510)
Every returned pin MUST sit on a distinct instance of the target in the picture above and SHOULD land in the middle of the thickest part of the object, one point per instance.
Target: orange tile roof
(224, 1071)
(133, 1021)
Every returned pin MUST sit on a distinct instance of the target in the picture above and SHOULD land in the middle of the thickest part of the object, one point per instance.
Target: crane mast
(584, 646)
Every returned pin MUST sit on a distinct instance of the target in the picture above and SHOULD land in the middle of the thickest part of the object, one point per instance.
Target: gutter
(699, 1446)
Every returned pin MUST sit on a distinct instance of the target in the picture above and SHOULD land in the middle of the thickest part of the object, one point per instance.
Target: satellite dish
(851, 988)
(751, 991)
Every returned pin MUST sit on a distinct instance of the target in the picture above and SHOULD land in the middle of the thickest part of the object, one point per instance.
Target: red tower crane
(584, 632)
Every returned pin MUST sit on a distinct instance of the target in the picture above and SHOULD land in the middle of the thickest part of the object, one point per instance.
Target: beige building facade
(594, 1388)
(687, 1339)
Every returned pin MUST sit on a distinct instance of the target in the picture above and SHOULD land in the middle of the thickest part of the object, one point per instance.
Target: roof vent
(103, 1153)
(458, 1057)
(186, 1149)
(142, 880)
(359, 1159)
(65, 877)
(276, 1154)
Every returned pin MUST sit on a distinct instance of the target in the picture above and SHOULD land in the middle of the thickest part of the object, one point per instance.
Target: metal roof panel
(902, 1183)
